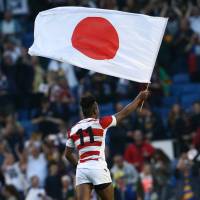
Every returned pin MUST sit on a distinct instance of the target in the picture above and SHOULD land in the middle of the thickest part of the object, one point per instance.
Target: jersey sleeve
(70, 142)
(108, 121)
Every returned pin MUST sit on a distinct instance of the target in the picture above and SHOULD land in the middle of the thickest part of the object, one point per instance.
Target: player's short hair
(88, 105)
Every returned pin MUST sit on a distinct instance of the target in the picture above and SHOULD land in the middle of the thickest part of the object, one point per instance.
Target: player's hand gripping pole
(143, 101)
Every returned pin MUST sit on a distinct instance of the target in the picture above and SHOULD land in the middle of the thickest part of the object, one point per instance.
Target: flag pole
(143, 101)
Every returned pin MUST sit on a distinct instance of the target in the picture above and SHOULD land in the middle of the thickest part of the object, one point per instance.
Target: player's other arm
(69, 149)
(126, 111)
(69, 155)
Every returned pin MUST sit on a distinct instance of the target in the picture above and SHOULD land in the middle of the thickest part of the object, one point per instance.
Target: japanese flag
(115, 43)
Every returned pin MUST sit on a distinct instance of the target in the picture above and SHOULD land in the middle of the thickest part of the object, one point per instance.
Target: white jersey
(88, 136)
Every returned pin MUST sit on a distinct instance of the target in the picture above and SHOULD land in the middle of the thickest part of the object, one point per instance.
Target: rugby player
(88, 137)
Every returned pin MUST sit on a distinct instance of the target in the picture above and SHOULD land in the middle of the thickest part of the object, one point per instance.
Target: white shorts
(93, 176)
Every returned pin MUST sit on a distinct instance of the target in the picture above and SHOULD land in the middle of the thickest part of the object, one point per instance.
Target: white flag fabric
(115, 43)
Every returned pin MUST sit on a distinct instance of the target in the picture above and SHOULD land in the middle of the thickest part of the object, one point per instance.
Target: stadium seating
(106, 109)
(169, 101)
(181, 89)
(23, 114)
(188, 99)
(181, 78)
(163, 112)
(125, 102)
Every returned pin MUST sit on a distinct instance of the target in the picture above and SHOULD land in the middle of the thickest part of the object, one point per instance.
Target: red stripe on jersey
(89, 144)
(85, 160)
(105, 121)
(89, 153)
(96, 132)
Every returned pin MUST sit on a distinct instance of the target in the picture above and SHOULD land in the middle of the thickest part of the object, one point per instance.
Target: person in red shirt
(138, 152)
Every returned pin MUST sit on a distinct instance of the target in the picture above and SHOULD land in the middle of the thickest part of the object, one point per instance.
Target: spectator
(10, 193)
(138, 152)
(3, 84)
(13, 132)
(126, 123)
(195, 118)
(175, 120)
(18, 7)
(183, 44)
(38, 74)
(187, 182)
(130, 173)
(1, 7)
(118, 135)
(44, 85)
(150, 124)
(112, 4)
(121, 190)
(61, 98)
(24, 73)
(2, 152)
(88, 3)
(13, 173)
(53, 182)
(36, 163)
(165, 81)
(9, 25)
(71, 78)
(161, 170)
(12, 50)
(51, 148)
(172, 27)
(59, 91)
(35, 192)
(180, 126)
(101, 87)
(54, 66)
(148, 182)
(194, 18)
(9, 71)
(156, 87)
(128, 6)
(46, 118)
(122, 88)
(67, 190)
(196, 139)
(2, 184)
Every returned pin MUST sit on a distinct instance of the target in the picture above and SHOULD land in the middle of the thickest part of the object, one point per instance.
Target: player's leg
(105, 191)
(102, 182)
(83, 191)
(83, 184)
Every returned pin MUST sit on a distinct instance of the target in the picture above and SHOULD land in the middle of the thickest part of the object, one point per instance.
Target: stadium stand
(39, 103)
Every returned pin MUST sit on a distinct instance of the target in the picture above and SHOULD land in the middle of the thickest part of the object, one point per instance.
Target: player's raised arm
(126, 111)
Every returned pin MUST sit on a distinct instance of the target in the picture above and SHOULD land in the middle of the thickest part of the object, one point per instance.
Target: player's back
(88, 136)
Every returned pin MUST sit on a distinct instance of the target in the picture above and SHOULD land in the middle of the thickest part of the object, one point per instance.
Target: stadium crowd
(39, 102)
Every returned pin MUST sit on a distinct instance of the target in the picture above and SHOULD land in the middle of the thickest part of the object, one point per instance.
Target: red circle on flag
(96, 38)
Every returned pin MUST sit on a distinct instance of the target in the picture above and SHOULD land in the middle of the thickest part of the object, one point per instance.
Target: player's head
(89, 106)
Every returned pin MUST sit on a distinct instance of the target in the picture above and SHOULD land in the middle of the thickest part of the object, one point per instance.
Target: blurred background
(153, 155)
